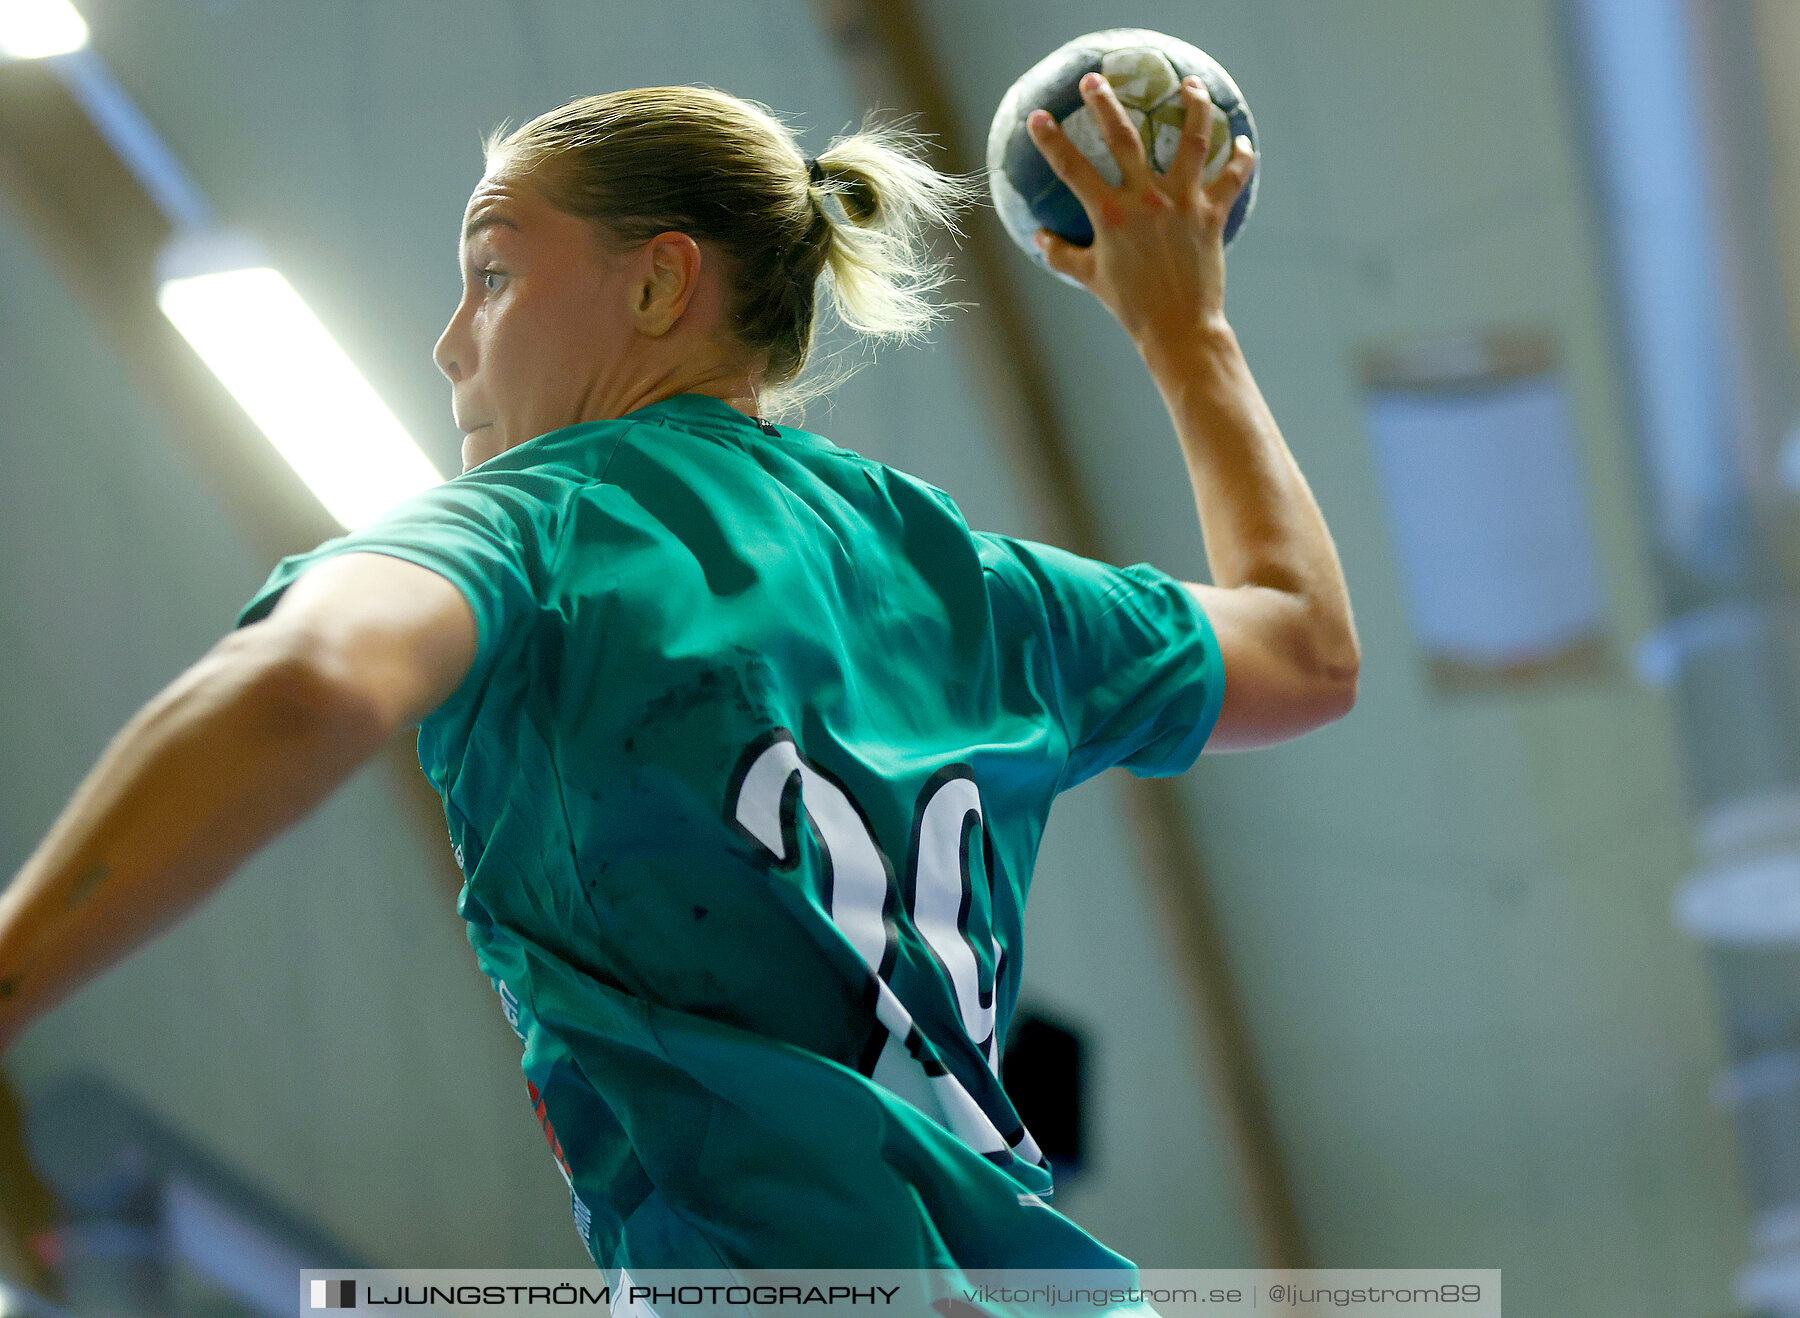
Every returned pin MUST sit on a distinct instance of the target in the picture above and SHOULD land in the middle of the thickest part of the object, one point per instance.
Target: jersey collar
(704, 412)
(691, 408)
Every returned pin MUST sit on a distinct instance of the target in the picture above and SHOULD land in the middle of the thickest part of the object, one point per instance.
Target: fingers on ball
(1243, 159)
(1065, 257)
(1120, 134)
(1191, 153)
(1236, 173)
(1065, 159)
(1200, 109)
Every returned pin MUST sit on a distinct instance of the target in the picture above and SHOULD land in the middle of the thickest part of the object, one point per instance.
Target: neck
(728, 382)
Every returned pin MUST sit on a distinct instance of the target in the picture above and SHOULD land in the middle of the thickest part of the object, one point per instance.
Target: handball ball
(1145, 69)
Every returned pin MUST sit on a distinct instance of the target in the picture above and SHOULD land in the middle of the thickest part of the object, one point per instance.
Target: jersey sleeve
(489, 533)
(1132, 664)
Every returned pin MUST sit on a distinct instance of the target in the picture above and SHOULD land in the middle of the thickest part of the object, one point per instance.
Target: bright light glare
(271, 352)
(32, 29)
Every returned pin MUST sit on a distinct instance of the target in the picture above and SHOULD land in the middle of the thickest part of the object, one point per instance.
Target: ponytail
(879, 267)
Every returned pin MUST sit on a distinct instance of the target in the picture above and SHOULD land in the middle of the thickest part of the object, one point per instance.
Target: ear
(671, 274)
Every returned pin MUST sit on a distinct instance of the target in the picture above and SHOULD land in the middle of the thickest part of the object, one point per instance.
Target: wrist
(1181, 352)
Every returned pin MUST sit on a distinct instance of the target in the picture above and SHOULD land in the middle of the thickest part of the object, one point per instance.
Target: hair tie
(813, 172)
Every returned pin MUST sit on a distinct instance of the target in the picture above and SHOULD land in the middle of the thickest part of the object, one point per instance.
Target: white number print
(858, 892)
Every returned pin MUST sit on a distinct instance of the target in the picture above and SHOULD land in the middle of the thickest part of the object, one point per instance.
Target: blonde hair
(727, 170)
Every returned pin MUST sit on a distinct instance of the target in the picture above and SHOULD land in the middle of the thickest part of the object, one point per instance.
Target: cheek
(554, 333)
(600, 305)
(525, 330)
(509, 339)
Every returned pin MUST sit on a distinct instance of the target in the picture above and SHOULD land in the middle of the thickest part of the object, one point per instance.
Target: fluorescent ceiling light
(32, 29)
(266, 346)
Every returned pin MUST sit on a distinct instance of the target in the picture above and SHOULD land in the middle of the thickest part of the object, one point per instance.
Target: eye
(488, 273)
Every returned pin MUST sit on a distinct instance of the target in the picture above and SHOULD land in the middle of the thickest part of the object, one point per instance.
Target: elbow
(1334, 672)
(1329, 693)
(1340, 695)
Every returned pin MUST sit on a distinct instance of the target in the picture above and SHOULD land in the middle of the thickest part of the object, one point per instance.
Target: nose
(452, 353)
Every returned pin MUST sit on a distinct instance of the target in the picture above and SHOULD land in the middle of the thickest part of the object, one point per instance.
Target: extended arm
(1279, 604)
(238, 748)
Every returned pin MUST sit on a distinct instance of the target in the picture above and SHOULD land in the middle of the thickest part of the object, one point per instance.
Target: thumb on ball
(1065, 257)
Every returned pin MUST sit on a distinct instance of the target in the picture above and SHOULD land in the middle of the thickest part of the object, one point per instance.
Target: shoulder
(1024, 567)
(560, 460)
(524, 496)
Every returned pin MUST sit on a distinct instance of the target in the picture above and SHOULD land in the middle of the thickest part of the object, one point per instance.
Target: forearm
(1258, 519)
(230, 754)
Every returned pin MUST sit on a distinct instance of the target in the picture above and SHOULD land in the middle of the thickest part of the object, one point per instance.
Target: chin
(477, 451)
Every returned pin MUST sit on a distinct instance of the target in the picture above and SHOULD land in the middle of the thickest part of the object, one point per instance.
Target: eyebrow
(487, 221)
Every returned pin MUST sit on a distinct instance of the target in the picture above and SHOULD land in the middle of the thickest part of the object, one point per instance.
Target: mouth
(470, 430)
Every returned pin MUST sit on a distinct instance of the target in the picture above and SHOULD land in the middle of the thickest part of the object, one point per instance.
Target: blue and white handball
(1145, 69)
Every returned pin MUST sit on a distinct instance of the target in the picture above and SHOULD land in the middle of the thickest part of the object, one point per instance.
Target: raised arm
(1279, 604)
(238, 748)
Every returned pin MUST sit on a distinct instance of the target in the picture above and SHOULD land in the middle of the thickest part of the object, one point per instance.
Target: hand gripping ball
(1145, 69)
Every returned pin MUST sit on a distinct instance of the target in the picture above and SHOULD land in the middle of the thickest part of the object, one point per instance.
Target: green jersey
(746, 782)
